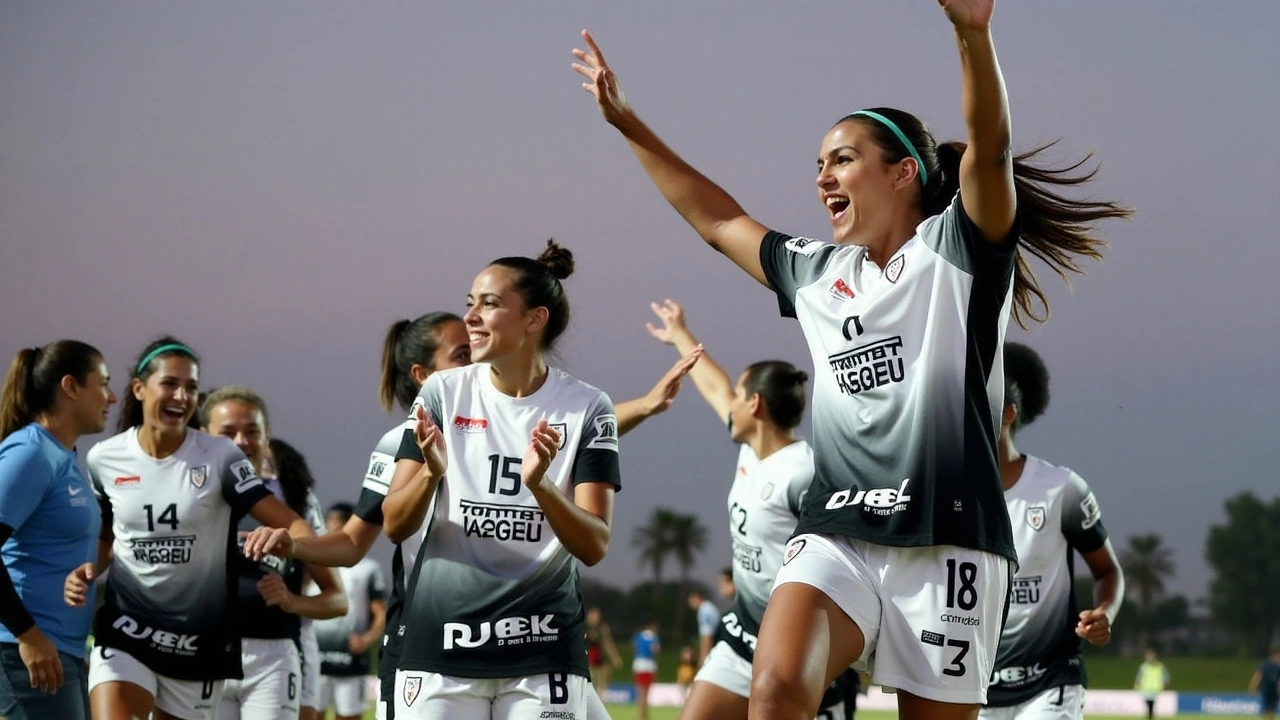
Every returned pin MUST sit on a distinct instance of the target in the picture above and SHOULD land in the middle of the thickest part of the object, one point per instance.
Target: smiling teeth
(833, 201)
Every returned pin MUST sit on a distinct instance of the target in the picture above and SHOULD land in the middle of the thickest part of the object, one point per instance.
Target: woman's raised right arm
(711, 211)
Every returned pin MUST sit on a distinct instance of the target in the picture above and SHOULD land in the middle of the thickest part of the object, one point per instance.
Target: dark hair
(538, 282)
(727, 571)
(142, 368)
(238, 393)
(1053, 228)
(409, 343)
(31, 385)
(781, 386)
(343, 509)
(1026, 383)
(293, 473)
(197, 421)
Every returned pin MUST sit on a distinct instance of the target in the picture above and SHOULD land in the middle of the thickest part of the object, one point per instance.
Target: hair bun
(801, 377)
(557, 259)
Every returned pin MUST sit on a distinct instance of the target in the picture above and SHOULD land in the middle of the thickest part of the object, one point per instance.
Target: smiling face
(245, 425)
(169, 394)
(498, 324)
(93, 400)
(856, 186)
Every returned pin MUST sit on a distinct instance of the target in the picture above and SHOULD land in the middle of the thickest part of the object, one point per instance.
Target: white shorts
(431, 696)
(931, 616)
(180, 698)
(269, 690)
(310, 666)
(346, 695)
(725, 669)
(1064, 702)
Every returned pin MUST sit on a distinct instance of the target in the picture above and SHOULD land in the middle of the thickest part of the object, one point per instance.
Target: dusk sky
(277, 182)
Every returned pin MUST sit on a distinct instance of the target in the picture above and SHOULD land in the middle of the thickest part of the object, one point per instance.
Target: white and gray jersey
(764, 505)
(365, 584)
(171, 593)
(1053, 513)
(908, 382)
(494, 593)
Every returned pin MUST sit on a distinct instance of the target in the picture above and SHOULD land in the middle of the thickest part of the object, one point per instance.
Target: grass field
(628, 712)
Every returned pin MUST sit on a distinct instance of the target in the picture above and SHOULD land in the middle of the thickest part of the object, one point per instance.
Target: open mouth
(175, 413)
(837, 206)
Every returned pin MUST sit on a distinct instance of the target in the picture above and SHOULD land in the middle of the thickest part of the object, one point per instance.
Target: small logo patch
(840, 290)
(469, 425)
(766, 491)
(129, 481)
(893, 270)
(802, 245)
(563, 430)
(929, 637)
(412, 686)
(1035, 517)
(793, 549)
(198, 475)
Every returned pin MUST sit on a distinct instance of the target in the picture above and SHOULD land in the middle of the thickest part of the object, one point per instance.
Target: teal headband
(164, 349)
(924, 174)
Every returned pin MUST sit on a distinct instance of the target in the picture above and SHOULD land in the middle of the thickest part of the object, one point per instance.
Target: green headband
(164, 349)
(924, 174)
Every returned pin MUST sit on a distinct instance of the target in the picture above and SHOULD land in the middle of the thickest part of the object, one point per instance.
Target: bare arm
(272, 512)
(1255, 681)
(344, 548)
(378, 609)
(581, 524)
(712, 381)
(986, 169)
(712, 213)
(331, 602)
(633, 412)
(1108, 594)
(414, 483)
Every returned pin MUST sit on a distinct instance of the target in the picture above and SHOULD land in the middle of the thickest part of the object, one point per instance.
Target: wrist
(30, 635)
(970, 36)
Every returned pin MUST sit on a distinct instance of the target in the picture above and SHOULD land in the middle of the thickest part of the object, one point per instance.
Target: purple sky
(277, 182)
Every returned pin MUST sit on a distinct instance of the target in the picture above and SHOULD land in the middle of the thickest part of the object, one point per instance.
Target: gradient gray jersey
(908, 382)
(171, 593)
(764, 504)
(493, 592)
(1053, 513)
(365, 584)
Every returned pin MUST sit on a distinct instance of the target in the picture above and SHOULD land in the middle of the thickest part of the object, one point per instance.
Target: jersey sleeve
(25, 477)
(429, 397)
(596, 457)
(954, 236)
(241, 486)
(99, 492)
(1081, 516)
(315, 514)
(791, 263)
(377, 477)
(377, 588)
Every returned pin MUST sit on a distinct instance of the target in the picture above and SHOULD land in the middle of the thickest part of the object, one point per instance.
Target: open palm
(600, 80)
(431, 443)
(969, 14)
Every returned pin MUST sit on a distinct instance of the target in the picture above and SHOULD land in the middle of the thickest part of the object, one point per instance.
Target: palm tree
(1147, 562)
(655, 541)
(688, 539)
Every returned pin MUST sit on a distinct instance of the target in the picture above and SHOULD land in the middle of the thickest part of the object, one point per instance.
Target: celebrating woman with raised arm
(904, 549)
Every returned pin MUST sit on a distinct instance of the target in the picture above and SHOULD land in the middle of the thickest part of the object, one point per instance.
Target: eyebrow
(835, 150)
(483, 295)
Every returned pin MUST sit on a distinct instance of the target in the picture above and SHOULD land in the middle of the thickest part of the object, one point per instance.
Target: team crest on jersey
(802, 245)
(893, 270)
(766, 491)
(198, 475)
(563, 429)
(840, 290)
(412, 686)
(1035, 517)
(606, 433)
(793, 549)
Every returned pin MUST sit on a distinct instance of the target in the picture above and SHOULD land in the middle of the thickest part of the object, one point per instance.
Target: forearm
(582, 533)
(985, 102)
(711, 380)
(373, 635)
(104, 559)
(702, 203)
(335, 549)
(1108, 593)
(406, 507)
(329, 603)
